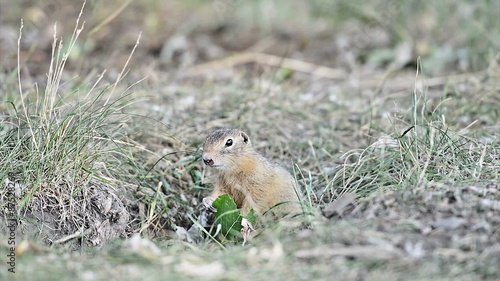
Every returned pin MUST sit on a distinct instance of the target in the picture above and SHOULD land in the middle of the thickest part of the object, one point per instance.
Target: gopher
(251, 180)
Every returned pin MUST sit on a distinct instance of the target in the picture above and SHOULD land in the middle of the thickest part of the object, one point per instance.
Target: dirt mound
(91, 216)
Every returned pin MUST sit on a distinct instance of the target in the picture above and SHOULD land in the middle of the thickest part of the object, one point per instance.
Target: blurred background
(448, 36)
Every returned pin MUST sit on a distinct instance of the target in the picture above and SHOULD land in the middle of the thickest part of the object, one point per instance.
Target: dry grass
(414, 148)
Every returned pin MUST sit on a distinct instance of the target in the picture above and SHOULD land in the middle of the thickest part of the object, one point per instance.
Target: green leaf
(251, 217)
(196, 175)
(229, 217)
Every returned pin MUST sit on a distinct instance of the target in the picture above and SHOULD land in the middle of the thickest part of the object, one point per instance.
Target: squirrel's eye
(229, 142)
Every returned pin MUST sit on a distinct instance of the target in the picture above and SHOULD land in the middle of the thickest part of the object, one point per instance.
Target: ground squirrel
(250, 179)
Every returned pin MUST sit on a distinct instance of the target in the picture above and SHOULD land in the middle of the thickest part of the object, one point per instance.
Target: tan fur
(252, 181)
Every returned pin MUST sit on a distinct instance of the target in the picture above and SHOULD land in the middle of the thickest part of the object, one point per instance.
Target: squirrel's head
(222, 147)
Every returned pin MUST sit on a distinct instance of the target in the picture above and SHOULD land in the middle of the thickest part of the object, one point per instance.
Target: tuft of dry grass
(65, 150)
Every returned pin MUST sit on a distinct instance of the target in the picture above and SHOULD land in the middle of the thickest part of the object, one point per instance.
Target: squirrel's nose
(208, 161)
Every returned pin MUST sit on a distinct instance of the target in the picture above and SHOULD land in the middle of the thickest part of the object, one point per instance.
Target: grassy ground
(387, 114)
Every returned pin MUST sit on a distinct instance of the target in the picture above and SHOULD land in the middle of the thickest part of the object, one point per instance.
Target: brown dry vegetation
(386, 112)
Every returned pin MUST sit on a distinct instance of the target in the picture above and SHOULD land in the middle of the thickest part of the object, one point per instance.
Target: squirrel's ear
(245, 137)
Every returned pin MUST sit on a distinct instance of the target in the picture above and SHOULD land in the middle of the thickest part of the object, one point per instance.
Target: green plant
(229, 217)
(57, 139)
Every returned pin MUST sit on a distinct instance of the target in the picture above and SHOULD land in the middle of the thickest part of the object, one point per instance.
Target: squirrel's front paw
(246, 229)
(207, 202)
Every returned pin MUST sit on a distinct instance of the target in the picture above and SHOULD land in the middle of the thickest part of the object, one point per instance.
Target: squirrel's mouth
(212, 165)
